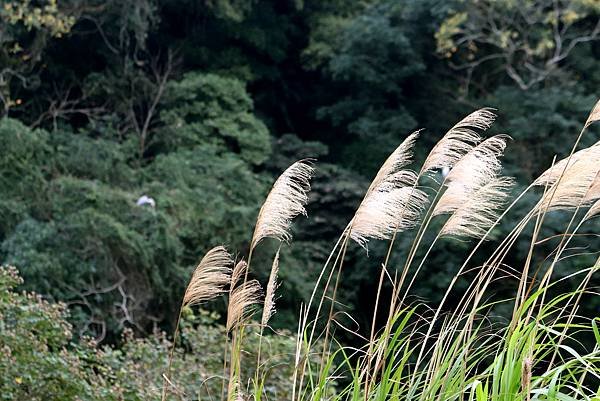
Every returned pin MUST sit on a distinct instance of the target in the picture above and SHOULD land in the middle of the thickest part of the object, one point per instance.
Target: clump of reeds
(433, 357)
(214, 276)
(242, 297)
(208, 281)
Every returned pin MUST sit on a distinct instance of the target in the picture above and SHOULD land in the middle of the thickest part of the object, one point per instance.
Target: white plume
(286, 200)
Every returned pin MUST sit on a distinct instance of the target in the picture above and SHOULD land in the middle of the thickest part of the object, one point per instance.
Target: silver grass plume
(573, 188)
(386, 210)
(242, 295)
(285, 201)
(392, 202)
(269, 306)
(239, 271)
(458, 140)
(480, 210)
(398, 159)
(475, 169)
(593, 192)
(594, 115)
(552, 174)
(210, 277)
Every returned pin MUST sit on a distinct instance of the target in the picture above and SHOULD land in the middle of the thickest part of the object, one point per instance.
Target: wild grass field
(545, 350)
(415, 247)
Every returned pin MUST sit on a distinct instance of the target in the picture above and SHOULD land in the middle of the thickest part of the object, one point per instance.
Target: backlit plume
(593, 192)
(211, 276)
(594, 115)
(242, 298)
(594, 210)
(392, 202)
(387, 211)
(242, 295)
(552, 174)
(269, 306)
(475, 169)
(458, 140)
(593, 197)
(480, 209)
(399, 159)
(286, 200)
(577, 186)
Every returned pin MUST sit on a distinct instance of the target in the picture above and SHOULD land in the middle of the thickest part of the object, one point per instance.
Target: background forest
(200, 104)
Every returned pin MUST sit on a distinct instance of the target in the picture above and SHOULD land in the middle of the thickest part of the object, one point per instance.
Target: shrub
(40, 360)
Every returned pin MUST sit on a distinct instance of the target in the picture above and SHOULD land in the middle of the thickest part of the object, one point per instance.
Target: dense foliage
(41, 361)
(198, 104)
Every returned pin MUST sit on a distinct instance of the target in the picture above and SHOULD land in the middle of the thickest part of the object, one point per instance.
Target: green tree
(80, 233)
(373, 60)
(529, 41)
(25, 29)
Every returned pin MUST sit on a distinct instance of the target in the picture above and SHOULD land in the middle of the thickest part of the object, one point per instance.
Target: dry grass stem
(594, 210)
(594, 115)
(480, 211)
(458, 140)
(210, 277)
(286, 200)
(269, 306)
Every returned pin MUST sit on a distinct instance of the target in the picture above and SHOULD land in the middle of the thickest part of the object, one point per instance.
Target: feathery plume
(552, 174)
(210, 277)
(481, 163)
(478, 167)
(387, 210)
(399, 158)
(238, 272)
(458, 140)
(573, 189)
(480, 210)
(594, 115)
(392, 203)
(453, 198)
(269, 306)
(241, 298)
(285, 201)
